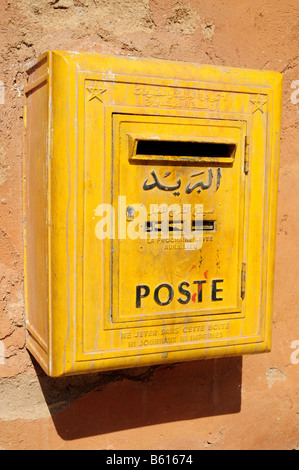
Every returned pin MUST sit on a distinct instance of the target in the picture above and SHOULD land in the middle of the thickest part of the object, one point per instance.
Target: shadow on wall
(101, 403)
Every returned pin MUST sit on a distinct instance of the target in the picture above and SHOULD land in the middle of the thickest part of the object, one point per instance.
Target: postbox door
(190, 170)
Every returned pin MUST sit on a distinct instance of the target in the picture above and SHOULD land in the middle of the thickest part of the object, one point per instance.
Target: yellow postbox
(150, 193)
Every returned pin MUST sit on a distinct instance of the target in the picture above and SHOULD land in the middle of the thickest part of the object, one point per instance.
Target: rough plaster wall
(237, 403)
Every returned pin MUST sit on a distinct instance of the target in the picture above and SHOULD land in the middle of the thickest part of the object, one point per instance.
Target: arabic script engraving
(199, 185)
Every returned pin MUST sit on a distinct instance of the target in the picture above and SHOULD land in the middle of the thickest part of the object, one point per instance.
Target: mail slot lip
(196, 159)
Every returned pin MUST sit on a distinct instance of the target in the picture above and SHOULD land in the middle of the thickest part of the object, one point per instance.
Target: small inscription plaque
(174, 334)
(169, 97)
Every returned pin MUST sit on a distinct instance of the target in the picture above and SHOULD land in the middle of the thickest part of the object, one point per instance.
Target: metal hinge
(243, 280)
(246, 156)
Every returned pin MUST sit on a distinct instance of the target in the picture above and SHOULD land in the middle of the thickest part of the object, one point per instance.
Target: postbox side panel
(35, 200)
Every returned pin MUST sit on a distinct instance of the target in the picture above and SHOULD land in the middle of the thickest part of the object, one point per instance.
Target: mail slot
(150, 193)
(181, 149)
